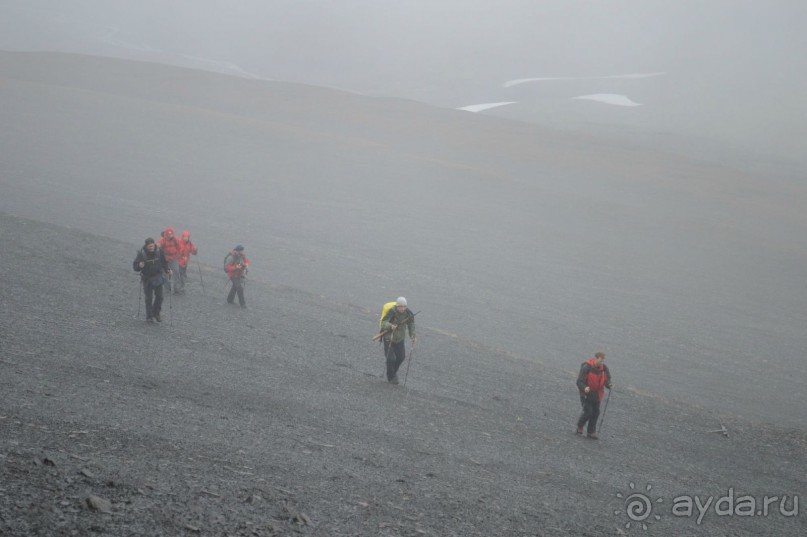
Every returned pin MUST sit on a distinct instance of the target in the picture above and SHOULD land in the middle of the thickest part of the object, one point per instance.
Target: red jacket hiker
(169, 244)
(186, 249)
(236, 264)
(594, 377)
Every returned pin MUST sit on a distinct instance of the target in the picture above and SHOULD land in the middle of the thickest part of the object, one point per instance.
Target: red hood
(186, 236)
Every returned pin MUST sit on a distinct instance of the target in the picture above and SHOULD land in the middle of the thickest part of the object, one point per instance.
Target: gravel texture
(275, 420)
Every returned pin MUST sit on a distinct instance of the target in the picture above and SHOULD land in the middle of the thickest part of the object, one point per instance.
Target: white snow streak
(511, 83)
(486, 106)
(609, 98)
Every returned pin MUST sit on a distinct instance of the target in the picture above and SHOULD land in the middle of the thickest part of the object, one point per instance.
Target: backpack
(388, 306)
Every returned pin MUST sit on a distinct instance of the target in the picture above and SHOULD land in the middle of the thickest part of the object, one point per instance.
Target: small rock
(297, 516)
(86, 473)
(304, 518)
(97, 503)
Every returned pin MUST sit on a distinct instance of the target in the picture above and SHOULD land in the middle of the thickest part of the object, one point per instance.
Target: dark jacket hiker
(152, 266)
(594, 377)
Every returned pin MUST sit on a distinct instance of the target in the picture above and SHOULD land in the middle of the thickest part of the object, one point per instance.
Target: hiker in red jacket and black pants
(594, 377)
(236, 266)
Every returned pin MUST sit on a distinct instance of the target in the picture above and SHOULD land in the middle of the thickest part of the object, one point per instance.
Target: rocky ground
(275, 420)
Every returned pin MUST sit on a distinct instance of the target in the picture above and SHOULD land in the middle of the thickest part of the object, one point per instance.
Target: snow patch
(218, 66)
(609, 98)
(516, 82)
(486, 106)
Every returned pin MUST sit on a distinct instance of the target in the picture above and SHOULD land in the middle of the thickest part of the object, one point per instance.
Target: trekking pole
(604, 410)
(170, 304)
(199, 266)
(382, 333)
(409, 362)
(139, 297)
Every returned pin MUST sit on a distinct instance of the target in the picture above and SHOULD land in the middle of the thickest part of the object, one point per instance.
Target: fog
(546, 244)
(730, 81)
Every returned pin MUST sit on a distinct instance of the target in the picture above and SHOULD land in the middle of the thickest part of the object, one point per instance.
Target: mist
(632, 177)
(541, 180)
(729, 84)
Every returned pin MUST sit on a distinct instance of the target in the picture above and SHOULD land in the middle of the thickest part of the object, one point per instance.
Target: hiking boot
(579, 431)
(149, 320)
(157, 318)
(592, 436)
(394, 380)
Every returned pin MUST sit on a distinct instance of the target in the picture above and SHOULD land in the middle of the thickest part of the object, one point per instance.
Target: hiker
(150, 263)
(169, 244)
(186, 249)
(394, 325)
(236, 266)
(594, 377)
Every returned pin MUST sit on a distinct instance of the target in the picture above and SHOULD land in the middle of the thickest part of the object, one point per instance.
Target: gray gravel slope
(275, 421)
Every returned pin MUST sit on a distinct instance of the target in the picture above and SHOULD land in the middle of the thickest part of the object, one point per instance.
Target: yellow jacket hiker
(394, 324)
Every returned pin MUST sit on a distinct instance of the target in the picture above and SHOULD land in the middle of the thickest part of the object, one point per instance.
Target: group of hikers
(164, 264)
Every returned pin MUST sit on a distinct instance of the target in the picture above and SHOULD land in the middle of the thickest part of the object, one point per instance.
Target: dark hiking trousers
(154, 299)
(395, 357)
(236, 287)
(591, 411)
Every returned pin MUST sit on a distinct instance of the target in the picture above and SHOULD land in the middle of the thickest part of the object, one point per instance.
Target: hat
(149, 241)
(400, 301)
(239, 248)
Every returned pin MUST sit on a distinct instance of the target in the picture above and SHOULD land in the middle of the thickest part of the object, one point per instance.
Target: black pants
(591, 411)
(395, 357)
(236, 287)
(154, 299)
